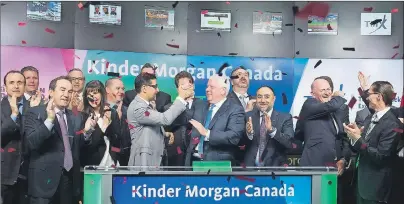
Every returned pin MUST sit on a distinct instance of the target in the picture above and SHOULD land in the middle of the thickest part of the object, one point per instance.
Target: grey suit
(361, 116)
(148, 134)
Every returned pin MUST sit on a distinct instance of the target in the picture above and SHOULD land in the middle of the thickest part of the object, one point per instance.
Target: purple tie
(68, 160)
(263, 131)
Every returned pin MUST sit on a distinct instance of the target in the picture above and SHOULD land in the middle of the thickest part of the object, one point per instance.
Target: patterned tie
(207, 121)
(263, 138)
(68, 159)
(242, 97)
(370, 128)
(20, 105)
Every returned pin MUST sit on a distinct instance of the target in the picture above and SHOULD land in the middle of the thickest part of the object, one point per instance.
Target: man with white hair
(218, 125)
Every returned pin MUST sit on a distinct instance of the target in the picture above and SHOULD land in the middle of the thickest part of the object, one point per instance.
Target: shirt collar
(381, 113)
(238, 95)
(269, 112)
(220, 103)
(147, 102)
(57, 110)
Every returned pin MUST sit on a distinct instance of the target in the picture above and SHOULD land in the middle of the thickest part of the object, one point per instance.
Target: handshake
(186, 91)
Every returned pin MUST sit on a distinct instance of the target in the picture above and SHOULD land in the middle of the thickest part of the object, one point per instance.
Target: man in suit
(13, 106)
(78, 80)
(217, 127)
(361, 116)
(320, 127)
(269, 131)
(32, 93)
(115, 92)
(240, 82)
(148, 133)
(161, 100)
(54, 136)
(376, 144)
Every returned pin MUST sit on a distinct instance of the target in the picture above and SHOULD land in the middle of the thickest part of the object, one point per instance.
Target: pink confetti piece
(79, 132)
(80, 5)
(236, 25)
(23, 42)
(368, 9)
(10, 149)
(50, 30)
(195, 140)
(228, 2)
(394, 56)
(107, 64)
(131, 126)
(147, 113)
(111, 35)
(22, 24)
(285, 165)
(294, 146)
(115, 149)
(245, 178)
(242, 147)
(204, 12)
(76, 56)
(398, 130)
(395, 10)
(352, 102)
(364, 146)
(2, 150)
(179, 150)
(397, 46)
(173, 45)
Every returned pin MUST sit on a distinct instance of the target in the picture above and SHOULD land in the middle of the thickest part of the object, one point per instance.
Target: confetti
(191, 65)
(273, 176)
(228, 178)
(312, 21)
(284, 74)
(233, 53)
(242, 191)
(202, 62)
(329, 182)
(284, 99)
(208, 172)
(189, 132)
(10, 149)
(285, 165)
(2, 150)
(329, 27)
(295, 10)
(298, 52)
(204, 12)
(398, 130)
(294, 146)
(341, 86)
(75, 110)
(360, 91)
(23, 42)
(315, 9)
(173, 45)
(147, 113)
(111, 35)
(179, 150)
(76, 56)
(113, 74)
(394, 56)
(397, 46)
(395, 10)
(49, 180)
(50, 30)
(22, 24)
(218, 34)
(292, 185)
(242, 147)
(79, 132)
(245, 178)
(228, 2)
(281, 182)
(115, 149)
(376, 21)
(236, 25)
(289, 24)
(80, 5)
(318, 63)
(348, 48)
(300, 30)
(368, 9)
(195, 140)
(243, 165)
(352, 102)
(364, 146)
(124, 180)
(394, 95)
(175, 4)
(161, 28)
(142, 173)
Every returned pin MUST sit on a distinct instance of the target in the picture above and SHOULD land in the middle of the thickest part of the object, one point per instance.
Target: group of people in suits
(45, 141)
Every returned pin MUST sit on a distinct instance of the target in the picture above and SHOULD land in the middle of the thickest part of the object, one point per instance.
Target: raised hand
(339, 93)
(35, 99)
(119, 109)
(364, 81)
(250, 105)
(13, 105)
(91, 122)
(268, 122)
(50, 110)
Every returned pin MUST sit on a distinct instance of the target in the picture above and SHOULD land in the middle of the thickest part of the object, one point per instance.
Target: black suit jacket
(46, 151)
(323, 146)
(12, 150)
(275, 149)
(125, 141)
(226, 127)
(377, 153)
(162, 99)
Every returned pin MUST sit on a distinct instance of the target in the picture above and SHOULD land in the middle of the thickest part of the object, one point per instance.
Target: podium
(182, 185)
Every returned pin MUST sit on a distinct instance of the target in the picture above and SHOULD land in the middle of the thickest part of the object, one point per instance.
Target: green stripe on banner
(92, 189)
(329, 188)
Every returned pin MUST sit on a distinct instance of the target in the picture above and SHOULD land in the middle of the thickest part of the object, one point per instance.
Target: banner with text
(212, 189)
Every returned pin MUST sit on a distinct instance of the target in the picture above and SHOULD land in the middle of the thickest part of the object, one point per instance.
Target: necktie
(207, 121)
(20, 105)
(242, 97)
(263, 131)
(370, 128)
(68, 159)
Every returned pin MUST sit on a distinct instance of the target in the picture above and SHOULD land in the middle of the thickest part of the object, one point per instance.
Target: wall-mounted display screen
(105, 14)
(215, 20)
(44, 10)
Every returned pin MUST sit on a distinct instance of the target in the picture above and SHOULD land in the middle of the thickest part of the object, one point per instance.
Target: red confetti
(146, 113)
(195, 140)
(124, 180)
(330, 164)
(314, 9)
(397, 46)
(50, 30)
(285, 165)
(236, 25)
(242, 147)
(294, 146)
(402, 102)
(243, 165)
(352, 102)
(179, 150)
(394, 56)
(395, 10)
(111, 35)
(79, 132)
(22, 23)
(360, 91)
(204, 12)
(115, 149)
(242, 191)
(90, 70)
(368, 9)
(126, 121)
(363, 146)
(2, 150)
(131, 126)
(172, 45)
(80, 5)
(107, 64)
(398, 130)
(228, 2)
(11, 149)
(329, 27)
(23, 42)
(75, 110)
(245, 178)
(260, 12)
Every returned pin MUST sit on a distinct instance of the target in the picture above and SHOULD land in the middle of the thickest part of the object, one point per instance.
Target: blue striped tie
(207, 121)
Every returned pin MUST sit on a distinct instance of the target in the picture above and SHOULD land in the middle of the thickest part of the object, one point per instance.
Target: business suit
(13, 163)
(233, 96)
(124, 140)
(361, 116)
(227, 127)
(148, 133)
(162, 99)
(274, 153)
(323, 145)
(47, 180)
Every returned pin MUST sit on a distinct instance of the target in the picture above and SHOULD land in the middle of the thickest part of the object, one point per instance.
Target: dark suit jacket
(162, 99)
(93, 153)
(226, 127)
(11, 143)
(322, 144)
(275, 149)
(46, 151)
(377, 153)
(125, 141)
(361, 116)
(232, 95)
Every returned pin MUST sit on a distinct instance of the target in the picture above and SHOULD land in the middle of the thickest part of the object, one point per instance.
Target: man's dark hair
(265, 86)
(240, 67)
(12, 72)
(52, 84)
(181, 75)
(29, 68)
(385, 89)
(328, 79)
(143, 79)
(148, 65)
(75, 69)
(108, 82)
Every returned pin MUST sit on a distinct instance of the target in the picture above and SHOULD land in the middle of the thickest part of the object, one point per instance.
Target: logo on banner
(376, 24)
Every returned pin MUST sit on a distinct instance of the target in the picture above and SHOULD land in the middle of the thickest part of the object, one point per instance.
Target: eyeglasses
(373, 93)
(241, 75)
(154, 86)
(77, 78)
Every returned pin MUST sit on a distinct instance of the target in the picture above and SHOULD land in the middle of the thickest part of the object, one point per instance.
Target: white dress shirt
(27, 96)
(246, 99)
(272, 135)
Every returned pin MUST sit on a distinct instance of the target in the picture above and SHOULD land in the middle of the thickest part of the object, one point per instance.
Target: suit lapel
(5, 106)
(221, 111)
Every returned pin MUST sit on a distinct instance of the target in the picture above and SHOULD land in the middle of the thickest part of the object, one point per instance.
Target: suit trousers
(15, 194)
(63, 194)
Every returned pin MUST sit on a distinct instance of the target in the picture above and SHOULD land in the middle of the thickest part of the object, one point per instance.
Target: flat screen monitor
(215, 20)
(105, 14)
(44, 10)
